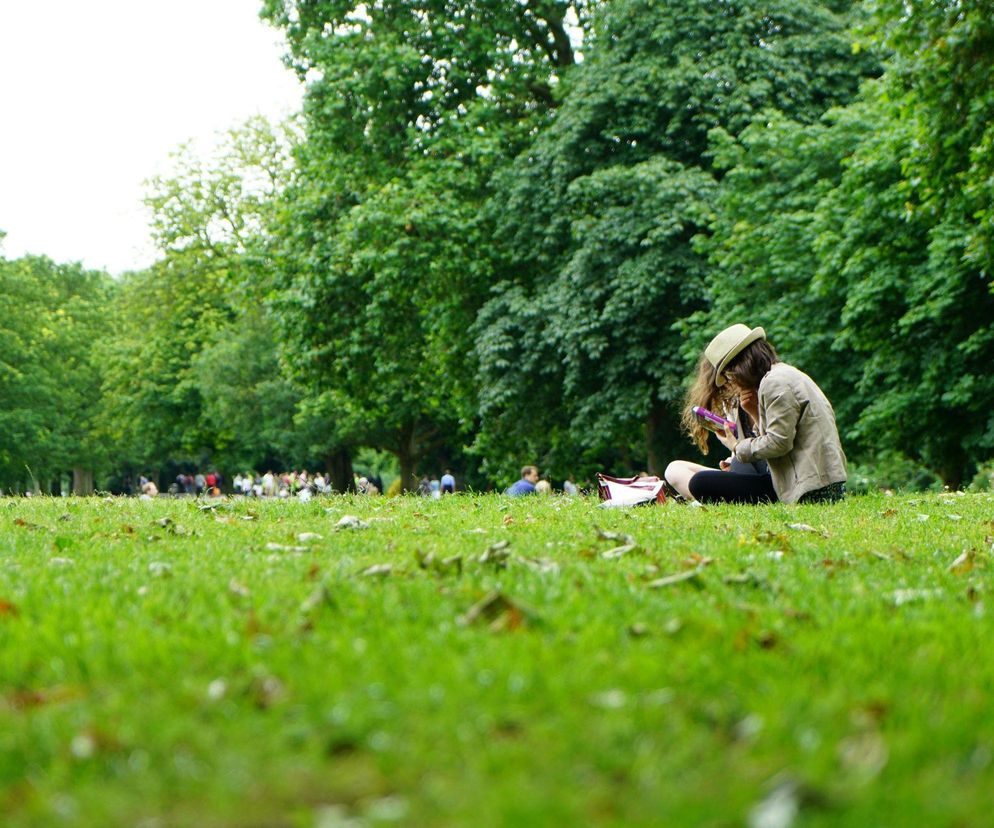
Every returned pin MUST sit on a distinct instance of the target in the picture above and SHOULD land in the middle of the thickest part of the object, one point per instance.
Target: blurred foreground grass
(481, 661)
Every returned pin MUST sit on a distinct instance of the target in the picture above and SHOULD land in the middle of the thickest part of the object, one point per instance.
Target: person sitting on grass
(786, 444)
(526, 485)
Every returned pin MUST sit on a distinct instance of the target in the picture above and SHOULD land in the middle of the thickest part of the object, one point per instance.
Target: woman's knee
(676, 471)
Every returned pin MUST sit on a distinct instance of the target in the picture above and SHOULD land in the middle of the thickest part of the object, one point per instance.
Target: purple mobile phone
(712, 421)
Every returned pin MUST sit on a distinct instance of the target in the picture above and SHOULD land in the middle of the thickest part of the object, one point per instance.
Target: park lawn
(160, 665)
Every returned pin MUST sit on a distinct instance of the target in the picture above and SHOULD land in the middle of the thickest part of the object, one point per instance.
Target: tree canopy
(500, 231)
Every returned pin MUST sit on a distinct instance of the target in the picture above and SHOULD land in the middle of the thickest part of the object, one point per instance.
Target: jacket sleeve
(782, 412)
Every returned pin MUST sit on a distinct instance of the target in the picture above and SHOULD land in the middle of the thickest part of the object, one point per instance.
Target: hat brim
(754, 335)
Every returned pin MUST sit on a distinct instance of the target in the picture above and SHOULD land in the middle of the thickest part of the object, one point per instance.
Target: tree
(598, 215)
(383, 250)
(939, 77)
(897, 319)
(50, 317)
(763, 245)
(915, 309)
(196, 347)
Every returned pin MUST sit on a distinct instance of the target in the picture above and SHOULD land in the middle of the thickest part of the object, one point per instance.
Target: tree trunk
(340, 471)
(406, 457)
(82, 481)
(653, 428)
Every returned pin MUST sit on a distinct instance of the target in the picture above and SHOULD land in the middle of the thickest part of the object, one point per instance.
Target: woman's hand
(728, 440)
(725, 465)
(749, 400)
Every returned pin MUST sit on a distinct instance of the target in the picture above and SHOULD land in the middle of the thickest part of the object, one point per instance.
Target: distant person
(526, 485)
(448, 483)
(543, 487)
(570, 487)
(424, 487)
(367, 486)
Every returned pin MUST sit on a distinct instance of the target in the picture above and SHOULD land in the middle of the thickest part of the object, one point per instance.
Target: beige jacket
(797, 435)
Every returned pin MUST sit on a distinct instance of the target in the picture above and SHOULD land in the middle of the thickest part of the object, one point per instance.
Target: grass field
(484, 661)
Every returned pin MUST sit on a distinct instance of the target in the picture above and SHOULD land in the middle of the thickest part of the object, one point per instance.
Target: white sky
(95, 95)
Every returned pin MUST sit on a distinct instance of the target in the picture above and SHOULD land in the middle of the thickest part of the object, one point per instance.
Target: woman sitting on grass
(781, 416)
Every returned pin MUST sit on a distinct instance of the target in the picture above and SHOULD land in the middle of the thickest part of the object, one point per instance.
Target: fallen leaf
(235, 587)
(537, 564)
(453, 563)
(430, 561)
(217, 689)
(613, 699)
(625, 538)
(26, 525)
(508, 520)
(320, 597)
(780, 541)
(804, 527)
(698, 560)
(691, 575)
(37, 698)
(282, 547)
(864, 753)
(619, 551)
(8, 609)
(267, 691)
(779, 808)
(964, 563)
(351, 522)
(377, 570)
(747, 578)
(496, 553)
(501, 612)
(899, 597)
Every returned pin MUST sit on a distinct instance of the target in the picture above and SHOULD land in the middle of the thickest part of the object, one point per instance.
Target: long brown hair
(706, 394)
(747, 369)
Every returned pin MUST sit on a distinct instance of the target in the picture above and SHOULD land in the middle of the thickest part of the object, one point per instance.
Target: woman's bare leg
(678, 474)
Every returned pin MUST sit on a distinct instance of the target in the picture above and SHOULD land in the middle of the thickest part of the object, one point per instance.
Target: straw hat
(729, 344)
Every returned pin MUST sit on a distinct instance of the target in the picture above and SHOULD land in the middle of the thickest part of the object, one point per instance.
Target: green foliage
(194, 372)
(766, 248)
(896, 321)
(51, 316)
(891, 471)
(598, 215)
(944, 57)
(152, 400)
(382, 248)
